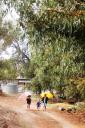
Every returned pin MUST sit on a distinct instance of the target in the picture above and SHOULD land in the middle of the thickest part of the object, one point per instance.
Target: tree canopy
(56, 34)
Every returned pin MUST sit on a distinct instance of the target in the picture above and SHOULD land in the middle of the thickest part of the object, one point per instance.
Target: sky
(12, 16)
(7, 54)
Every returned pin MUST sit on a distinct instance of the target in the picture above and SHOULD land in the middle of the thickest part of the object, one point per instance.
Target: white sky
(6, 54)
(11, 16)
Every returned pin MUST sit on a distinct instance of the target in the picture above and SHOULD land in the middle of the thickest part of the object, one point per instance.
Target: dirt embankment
(8, 118)
(77, 118)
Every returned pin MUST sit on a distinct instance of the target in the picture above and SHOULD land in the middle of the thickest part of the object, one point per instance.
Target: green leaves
(56, 31)
(7, 70)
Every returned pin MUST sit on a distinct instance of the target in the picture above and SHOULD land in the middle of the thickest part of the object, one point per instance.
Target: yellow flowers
(48, 94)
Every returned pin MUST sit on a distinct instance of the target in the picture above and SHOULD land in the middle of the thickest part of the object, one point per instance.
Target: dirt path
(33, 118)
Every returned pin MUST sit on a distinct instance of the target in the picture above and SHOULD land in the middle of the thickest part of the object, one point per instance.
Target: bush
(80, 105)
(71, 91)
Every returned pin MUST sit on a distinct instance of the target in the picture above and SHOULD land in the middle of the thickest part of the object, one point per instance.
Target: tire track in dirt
(53, 120)
(44, 121)
(32, 118)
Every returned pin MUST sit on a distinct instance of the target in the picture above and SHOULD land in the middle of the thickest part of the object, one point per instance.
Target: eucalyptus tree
(12, 35)
(56, 32)
(7, 29)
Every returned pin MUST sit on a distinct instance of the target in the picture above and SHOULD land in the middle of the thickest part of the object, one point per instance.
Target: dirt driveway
(33, 118)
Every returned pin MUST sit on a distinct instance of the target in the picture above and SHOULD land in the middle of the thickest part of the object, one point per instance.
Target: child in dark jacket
(28, 101)
(38, 104)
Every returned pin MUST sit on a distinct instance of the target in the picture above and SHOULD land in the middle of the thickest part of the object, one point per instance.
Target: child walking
(28, 101)
(38, 104)
(45, 101)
